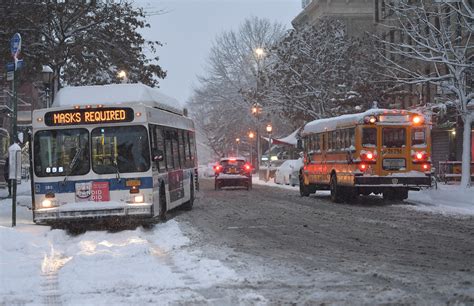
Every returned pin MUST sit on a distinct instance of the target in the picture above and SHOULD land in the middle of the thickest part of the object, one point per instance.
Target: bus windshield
(120, 149)
(55, 151)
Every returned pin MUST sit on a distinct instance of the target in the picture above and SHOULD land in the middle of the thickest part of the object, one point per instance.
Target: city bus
(379, 151)
(121, 152)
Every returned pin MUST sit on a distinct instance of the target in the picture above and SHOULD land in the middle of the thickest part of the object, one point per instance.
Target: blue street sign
(19, 64)
(10, 66)
(15, 44)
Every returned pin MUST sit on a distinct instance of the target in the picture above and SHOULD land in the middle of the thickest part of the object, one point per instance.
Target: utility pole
(15, 48)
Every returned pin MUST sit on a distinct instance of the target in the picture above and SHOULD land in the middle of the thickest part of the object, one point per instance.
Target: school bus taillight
(417, 119)
(368, 156)
(362, 167)
(426, 167)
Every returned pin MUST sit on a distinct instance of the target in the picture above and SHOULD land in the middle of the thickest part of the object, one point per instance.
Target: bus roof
(114, 94)
(330, 124)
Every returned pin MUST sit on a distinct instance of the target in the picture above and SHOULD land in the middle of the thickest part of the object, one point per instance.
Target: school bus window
(352, 138)
(418, 136)
(393, 137)
(369, 137)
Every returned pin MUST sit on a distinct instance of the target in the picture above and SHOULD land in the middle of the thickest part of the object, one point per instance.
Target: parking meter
(14, 155)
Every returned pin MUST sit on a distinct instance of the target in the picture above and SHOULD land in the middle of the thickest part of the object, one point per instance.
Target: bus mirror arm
(117, 171)
(350, 159)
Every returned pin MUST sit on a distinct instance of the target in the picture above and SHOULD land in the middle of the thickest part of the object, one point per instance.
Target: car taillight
(247, 167)
(217, 168)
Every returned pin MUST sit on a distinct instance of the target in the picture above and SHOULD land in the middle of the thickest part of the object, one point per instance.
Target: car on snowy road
(288, 172)
(233, 172)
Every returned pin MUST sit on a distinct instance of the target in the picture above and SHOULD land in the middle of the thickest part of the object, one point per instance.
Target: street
(296, 250)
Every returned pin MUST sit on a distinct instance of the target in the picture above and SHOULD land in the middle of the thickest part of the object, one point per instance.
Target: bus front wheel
(162, 200)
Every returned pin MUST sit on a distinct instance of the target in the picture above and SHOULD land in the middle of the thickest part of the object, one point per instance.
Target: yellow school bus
(379, 151)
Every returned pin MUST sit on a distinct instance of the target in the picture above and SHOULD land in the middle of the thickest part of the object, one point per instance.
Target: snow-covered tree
(219, 104)
(83, 42)
(320, 71)
(431, 42)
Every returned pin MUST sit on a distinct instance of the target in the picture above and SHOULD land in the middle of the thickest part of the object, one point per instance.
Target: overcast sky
(189, 27)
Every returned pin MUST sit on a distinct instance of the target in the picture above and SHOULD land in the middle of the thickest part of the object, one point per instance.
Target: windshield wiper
(72, 164)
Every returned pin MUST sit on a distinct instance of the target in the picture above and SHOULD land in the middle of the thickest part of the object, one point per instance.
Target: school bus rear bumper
(392, 181)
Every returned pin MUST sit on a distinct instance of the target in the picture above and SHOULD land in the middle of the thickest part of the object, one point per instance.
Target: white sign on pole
(14, 155)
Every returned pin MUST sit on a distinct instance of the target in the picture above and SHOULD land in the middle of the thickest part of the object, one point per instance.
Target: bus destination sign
(88, 116)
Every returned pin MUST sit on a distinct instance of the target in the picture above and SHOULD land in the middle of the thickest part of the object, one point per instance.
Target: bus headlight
(48, 203)
(139, 198)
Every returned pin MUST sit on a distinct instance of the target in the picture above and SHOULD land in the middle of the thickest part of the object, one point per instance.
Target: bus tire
(336, 195)
(162, 201)
(351, 194)
(189, 204)
(304, 190)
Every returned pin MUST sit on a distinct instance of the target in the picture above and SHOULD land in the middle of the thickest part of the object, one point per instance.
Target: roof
(115, 94)
(288, 140)
(330, 124)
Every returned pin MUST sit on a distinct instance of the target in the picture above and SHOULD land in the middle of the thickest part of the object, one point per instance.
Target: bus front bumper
(58, 214)
(393, 181)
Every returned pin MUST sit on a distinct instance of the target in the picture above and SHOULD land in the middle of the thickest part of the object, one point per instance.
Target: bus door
(394, 149)
(175, 173)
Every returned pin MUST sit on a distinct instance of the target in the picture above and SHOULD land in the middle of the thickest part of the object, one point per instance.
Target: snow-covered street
(236, 247)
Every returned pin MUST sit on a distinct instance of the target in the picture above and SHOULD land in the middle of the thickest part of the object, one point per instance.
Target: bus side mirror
(158, 155)
(299, 144)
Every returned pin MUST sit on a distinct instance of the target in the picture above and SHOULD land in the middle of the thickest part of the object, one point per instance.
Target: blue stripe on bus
(70, 186)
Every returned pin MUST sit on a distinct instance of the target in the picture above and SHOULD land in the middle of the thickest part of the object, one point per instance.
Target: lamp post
(47, 77)
(269, 131)
(237, 140)
(251, 136)
(256, 109)
(122, 74)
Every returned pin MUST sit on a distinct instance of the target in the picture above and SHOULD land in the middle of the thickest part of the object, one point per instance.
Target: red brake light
(419, 155)
(368, 156)
(217, 168)
(362, 167)
(426, 167)
(417, 119)
(247, 167)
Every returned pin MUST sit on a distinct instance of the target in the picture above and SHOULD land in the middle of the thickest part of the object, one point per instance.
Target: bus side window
(352, 139)
(369, 137)
(174, 142)
(187, 151)
(329, 143)
(168, 151)
(192, 147)
(181, 145)
(160, 146)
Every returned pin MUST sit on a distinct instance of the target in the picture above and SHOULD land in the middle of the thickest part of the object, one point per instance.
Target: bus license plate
(393, 163)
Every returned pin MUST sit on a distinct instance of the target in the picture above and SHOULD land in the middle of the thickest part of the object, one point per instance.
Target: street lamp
(237, 140)
(47, 78)
(269, 129)
(122, 75)
(251, 137)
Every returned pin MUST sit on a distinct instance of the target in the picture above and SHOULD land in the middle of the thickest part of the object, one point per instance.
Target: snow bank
(136, 267)
(115, 94)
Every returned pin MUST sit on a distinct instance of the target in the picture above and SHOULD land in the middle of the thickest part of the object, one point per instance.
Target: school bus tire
(304, 190)
(336, 192)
